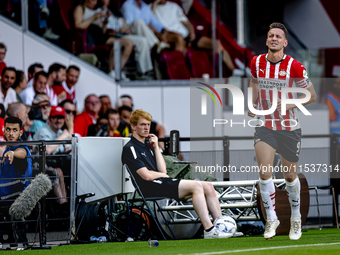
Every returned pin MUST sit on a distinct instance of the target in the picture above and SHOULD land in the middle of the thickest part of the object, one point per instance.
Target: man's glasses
(69, 111)
(92, 102)
(44, 106)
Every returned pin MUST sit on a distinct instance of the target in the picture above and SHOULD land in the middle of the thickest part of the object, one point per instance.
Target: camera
(35, 114)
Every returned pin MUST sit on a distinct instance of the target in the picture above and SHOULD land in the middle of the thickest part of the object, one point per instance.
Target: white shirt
(171, 15)
(27, 95)
(30, 83)
(11, 97)
(53, 96)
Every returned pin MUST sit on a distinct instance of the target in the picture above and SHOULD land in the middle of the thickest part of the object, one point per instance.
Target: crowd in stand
(144, 30)
(46, 105)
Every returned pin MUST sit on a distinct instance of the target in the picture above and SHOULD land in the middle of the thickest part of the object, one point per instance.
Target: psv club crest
(282, 72)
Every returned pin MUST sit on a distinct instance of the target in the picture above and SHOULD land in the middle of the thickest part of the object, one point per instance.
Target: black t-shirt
(137, 155)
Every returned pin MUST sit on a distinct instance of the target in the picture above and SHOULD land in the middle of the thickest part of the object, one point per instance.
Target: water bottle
(153, 243)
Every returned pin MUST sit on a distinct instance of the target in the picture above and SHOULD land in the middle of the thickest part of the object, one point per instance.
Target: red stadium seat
(199, 62)
(173, 64)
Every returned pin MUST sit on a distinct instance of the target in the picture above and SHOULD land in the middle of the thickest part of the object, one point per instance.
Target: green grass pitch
(325, 241)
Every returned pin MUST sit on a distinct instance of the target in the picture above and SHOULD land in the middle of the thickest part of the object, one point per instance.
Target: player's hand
(8, 155)
(153, 140)
(250, 114)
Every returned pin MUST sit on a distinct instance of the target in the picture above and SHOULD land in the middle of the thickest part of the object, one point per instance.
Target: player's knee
(198, 187)
(138, 22)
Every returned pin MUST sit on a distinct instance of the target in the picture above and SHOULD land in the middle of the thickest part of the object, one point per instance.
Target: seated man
(52, 131)
(148, 167)
(175, 21)
(141, 21)
(15, 164)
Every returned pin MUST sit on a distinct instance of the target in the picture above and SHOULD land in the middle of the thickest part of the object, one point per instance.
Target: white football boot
(295, 230)
(271, 226)
(215, 233)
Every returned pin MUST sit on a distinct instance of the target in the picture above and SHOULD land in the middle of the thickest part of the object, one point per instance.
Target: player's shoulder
(295, 63)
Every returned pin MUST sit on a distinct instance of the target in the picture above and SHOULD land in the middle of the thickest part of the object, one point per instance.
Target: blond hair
(139, 114)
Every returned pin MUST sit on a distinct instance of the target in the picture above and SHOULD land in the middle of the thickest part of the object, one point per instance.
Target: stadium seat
(172, 63)
(199, 62)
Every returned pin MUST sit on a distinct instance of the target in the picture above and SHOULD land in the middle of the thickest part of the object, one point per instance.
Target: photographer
(39, 112)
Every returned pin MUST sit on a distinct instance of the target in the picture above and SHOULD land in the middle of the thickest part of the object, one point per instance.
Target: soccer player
(148, 167)
(278, 132)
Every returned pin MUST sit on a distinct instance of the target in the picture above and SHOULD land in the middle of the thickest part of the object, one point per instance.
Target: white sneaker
(162, 46)
(50, 35)
(45, 12)
(112, 74)
(123, 77)
(295, 230)
(238, 72)
(271, 226)
(215, 233)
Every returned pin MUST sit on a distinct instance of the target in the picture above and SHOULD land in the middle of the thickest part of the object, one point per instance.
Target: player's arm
(311, 100)
(158, 155)
(148, 175)
(18, 153)
(255, 90)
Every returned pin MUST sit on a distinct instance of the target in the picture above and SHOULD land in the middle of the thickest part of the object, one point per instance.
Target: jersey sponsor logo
(266, 83)
(282, 73)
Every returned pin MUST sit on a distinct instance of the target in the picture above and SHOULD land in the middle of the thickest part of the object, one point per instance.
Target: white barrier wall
(99, 167)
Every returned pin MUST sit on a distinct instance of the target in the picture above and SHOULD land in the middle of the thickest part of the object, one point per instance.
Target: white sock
(293, 189)
(268, 197)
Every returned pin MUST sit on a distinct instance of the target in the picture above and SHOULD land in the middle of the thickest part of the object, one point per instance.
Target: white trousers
(142, 49)
(138, 27)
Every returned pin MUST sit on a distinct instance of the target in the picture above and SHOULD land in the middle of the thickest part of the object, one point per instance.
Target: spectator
(100, 128)
(106, 126)
(175, 21)
(19, 110)
(3, 51)
(106, 104)
(333, 103)
(40, 111)
(95, 21)
(39, 86)
(32, 70)
(20, 84)
(56, 76)
(155, 128)
(70, 114)
(8, 94)
(142, 21)
(68, 90)
(16, 163)
(114, 121)
(52, 131)
(119, 29)
(124, 125)
(88, 116)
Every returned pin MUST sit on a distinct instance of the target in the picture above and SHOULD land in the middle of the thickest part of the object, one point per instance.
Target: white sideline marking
(266, 248)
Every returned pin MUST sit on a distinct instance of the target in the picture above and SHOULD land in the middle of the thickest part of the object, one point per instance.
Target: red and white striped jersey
(286, 73)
